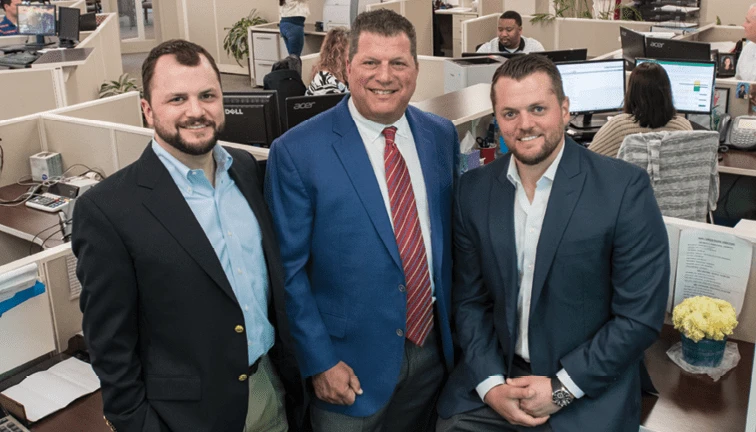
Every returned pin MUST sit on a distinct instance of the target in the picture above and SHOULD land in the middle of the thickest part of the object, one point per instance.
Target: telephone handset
(739, 132)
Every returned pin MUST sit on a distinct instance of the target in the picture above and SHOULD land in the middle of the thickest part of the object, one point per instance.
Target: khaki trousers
(265, 412)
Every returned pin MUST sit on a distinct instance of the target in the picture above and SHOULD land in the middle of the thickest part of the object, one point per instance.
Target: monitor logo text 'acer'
(303, 105)
(657, 44)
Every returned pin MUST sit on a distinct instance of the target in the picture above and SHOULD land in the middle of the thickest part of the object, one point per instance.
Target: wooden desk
(738, 162)
(695, 403)
(461, 106)
(26, 223)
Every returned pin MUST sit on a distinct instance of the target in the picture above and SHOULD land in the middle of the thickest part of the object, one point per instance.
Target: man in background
(9, 24)
(510, 38)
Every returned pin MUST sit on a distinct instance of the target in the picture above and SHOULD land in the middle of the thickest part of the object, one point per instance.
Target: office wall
(728, 11)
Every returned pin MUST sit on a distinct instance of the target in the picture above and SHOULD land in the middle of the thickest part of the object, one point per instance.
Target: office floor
(132, 64)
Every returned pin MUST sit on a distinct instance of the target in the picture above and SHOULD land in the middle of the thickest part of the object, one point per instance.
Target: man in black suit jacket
(182, 280)
(561, 274)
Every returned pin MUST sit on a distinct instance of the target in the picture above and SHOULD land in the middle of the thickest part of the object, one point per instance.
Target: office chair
(682, 167)
(286, 83)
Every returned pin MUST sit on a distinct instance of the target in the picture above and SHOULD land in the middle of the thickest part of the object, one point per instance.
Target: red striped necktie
(409, 239)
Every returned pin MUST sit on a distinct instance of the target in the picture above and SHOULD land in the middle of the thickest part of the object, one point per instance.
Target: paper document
(673, 8)
(713, 264)
(45, 392)
(673, 234)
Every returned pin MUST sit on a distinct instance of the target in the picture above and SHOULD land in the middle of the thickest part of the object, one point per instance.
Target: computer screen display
(633, 46)
(671, 49)
(68, 26)
(36, 20)
(251, 118)
(594, 86)
(301, 108)
(692, 84)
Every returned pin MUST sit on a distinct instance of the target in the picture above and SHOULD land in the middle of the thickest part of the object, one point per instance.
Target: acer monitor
(301, 108)
(671, 49)
(633, 46)
(692, 84)
(251, 118)
(593, 87)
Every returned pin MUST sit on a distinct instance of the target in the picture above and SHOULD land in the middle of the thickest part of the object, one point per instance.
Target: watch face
(561, 398)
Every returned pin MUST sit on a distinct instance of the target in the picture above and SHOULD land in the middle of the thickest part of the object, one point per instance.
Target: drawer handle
(263, 38)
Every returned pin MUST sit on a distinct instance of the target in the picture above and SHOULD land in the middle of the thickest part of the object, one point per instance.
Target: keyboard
(9, 424)
(21, 59)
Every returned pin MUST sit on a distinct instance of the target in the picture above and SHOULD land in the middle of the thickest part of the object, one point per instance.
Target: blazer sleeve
(640, 284)
(110, 323)
(293, 216)
(471, 302)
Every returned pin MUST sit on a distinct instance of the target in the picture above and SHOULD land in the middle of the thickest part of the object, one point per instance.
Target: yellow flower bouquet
(705, 323)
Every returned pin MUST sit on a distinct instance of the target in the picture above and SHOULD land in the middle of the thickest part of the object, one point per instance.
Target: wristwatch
(559, 393)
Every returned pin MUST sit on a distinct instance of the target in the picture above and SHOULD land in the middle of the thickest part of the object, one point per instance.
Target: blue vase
(706, 352)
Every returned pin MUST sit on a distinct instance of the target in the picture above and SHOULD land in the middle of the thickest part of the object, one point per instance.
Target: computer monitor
(633, 46)
(593, 87)
(251, 118)
(301, 108)
(507, 55)
(692, 84)
(672, 49)
(68, 26)
(36, 20)
(88, 21)
(570, 55)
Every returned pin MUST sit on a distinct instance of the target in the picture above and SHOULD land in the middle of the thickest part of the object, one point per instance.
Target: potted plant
(235, 42)
(704, 324)
(124, 84)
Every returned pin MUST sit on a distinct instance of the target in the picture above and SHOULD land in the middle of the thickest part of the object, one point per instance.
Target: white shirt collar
(374, 129)
(514, 176)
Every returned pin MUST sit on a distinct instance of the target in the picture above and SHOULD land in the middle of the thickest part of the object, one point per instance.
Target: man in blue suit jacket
(376, 359)
(561, 274)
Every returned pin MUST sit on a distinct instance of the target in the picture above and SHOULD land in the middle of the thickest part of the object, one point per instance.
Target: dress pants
(265, 411)
(486, 419)
(412, 407)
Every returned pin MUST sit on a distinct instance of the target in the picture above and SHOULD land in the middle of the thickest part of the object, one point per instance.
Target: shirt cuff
(484, 387)
(565, 379)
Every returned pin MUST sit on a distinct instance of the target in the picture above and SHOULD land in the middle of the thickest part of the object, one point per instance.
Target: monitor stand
(38, 44)
(587, 122)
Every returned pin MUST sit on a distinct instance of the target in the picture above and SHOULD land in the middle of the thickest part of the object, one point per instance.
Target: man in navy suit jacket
(362, 197)
(561, 274)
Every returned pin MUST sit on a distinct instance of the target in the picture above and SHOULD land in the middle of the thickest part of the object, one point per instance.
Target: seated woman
(648, 108)
(329, 73)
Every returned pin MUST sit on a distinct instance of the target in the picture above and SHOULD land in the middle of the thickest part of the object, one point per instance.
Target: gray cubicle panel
(63, 289)
(123, 109)
(80, 142)
(28, 91)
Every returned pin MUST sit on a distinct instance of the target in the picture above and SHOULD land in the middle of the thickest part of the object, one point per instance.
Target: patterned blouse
(325, 82)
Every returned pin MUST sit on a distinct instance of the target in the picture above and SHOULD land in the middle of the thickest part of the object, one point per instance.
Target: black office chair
(286, 83)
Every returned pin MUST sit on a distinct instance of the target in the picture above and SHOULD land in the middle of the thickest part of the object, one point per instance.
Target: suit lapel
(170, 208)
(426, 150)
(501, 234)
(351, 152)
(565, 192)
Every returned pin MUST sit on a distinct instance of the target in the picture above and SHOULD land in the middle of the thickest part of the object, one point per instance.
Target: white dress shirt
(528, 220)
(746, 70)
(375, 144)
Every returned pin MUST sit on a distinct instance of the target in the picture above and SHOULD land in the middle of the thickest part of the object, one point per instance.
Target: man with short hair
(361, 197)
(561, 274)
(510, 38)
(9, 24)
(182, 284)
(746, 69)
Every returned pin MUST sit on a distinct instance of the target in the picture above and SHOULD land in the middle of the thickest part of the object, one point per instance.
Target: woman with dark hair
(648, 108)
(329, 73)
(291, 24)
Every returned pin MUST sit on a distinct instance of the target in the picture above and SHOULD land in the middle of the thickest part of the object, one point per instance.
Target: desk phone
(739, 132)
(48, 202)
(9, 424)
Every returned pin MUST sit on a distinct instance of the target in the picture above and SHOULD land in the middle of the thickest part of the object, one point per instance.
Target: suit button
(399, 332)
(239, 329)
(402, 288)
(243, 377)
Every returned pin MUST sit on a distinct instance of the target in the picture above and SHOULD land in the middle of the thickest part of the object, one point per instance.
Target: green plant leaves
(235, 42)
(124, 84)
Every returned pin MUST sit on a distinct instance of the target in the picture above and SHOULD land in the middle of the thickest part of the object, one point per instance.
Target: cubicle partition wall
(419, 13)
(29, 91)
(598, 36)
(124, 109)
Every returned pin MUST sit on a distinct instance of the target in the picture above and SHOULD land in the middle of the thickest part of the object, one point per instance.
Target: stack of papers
(44, 393)
(672, 8)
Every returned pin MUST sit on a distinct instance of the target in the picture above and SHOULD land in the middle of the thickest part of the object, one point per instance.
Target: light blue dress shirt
(233, 231)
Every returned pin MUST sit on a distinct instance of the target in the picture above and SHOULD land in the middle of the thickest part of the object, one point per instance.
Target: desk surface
(738, 162)
(467, 104)
(694, 403)
(26, 223)
(309, 29)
